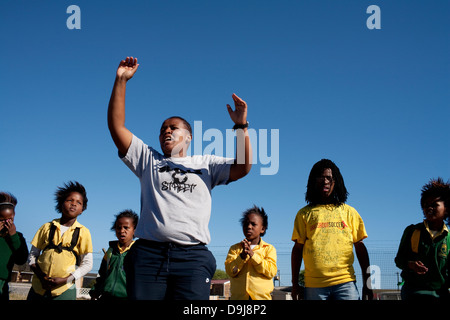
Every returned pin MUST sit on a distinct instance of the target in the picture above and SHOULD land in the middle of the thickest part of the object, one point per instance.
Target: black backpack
(59, 248)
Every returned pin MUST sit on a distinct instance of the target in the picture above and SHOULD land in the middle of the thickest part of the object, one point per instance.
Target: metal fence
(385, 274)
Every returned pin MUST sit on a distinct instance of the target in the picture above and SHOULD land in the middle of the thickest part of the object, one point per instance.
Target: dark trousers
(69, 294)
(158, 271)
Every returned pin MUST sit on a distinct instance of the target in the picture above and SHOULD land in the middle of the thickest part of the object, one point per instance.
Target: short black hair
(126, 214)
(185, 122)
(436, 188)
(258, 211)
(7, 201)
(62, 193)
(339, 194)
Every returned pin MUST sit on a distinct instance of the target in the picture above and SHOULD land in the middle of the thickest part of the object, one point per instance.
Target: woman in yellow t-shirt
(325, 232)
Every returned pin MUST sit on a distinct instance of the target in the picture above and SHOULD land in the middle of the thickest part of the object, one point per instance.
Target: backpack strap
(448, 240)
(59, 248)
(75, 236)
(51, 244)
(108, 257)
(415, 240)
(73, 243)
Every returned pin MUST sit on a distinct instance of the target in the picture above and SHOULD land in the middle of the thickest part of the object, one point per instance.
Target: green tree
(220, 275)
(301, 278)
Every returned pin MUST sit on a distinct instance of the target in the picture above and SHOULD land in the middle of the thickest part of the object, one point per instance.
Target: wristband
(240, 126)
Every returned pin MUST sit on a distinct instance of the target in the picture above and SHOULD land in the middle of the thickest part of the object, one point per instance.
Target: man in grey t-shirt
(170, 260)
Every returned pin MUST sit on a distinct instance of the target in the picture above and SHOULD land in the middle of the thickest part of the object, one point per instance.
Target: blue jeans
(343, 291)
(166, 271)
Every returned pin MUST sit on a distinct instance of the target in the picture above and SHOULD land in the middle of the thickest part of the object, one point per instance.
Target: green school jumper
(111, 283)
(13, 250)
(417, 244)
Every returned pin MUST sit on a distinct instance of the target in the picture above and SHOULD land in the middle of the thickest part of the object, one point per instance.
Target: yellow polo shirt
(253, 276)
(328, 233)
(55, 264)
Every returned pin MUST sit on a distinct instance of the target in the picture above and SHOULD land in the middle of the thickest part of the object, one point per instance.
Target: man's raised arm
(243, 161)
(116, 110)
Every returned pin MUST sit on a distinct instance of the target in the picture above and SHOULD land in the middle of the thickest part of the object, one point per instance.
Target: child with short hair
(112, 282)
(252, 263)
(13, 247)
(423, 251)
(325, 232)
(57, 245)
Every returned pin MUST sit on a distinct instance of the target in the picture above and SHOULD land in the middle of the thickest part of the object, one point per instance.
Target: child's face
(5, 215)
(174, 137)
(73, 205)
(325, 183)
(124, 230)
(434, 210)
(253, 227)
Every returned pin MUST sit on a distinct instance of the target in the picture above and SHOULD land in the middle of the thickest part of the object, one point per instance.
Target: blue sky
(376, 102)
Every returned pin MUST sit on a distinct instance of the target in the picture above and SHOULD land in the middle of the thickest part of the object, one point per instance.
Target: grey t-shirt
(175, 193)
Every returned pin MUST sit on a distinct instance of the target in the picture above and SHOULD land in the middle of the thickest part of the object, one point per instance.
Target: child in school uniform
(13, 247)
(58, 245)
(112, 282)
(423, 251)
(252, 263)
